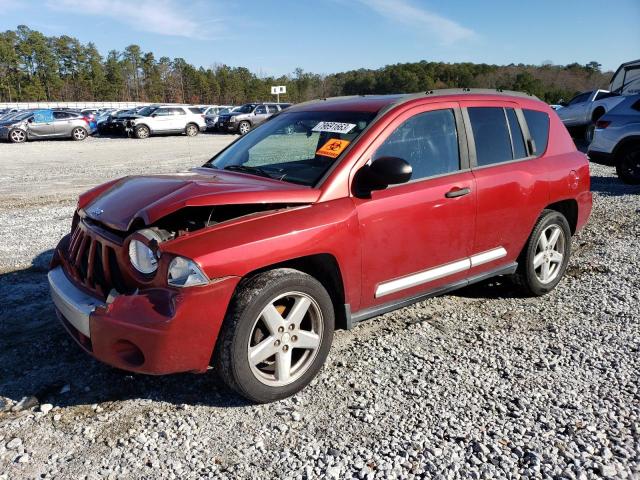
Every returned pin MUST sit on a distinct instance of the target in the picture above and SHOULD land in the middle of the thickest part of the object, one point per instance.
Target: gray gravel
(478, 384)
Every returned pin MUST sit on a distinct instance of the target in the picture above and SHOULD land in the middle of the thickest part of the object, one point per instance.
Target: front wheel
(17, 135)
(142, 132)
(244, 128)
(546, 254)
(78, 134)
(276, 336)
(628, 165)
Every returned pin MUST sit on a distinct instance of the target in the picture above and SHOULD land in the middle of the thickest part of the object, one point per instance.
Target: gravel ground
(479, 384)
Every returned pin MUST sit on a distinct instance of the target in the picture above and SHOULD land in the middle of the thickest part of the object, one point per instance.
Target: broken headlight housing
(141, 256)
(184, 272)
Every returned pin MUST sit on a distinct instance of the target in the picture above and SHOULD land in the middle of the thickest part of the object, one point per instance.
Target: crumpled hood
(149, 198)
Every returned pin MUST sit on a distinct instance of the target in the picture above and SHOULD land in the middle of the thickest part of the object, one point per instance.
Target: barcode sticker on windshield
(334, 127)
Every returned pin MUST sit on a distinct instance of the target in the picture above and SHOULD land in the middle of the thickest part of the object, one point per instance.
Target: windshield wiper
(248, 169)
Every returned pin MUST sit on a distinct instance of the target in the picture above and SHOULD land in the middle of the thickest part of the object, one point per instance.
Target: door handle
(457, 192)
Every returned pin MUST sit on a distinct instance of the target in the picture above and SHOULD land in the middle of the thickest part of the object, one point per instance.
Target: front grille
(92, 261)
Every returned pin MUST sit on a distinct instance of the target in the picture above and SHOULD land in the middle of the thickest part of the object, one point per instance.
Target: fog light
(129, 353)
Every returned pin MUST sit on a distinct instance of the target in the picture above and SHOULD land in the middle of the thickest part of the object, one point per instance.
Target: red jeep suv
(332, 212)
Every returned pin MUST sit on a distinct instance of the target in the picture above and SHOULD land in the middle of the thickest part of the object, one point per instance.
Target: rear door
(63, 123)
(416, 237)
(575, 112)
(178, 118)
(510, 183)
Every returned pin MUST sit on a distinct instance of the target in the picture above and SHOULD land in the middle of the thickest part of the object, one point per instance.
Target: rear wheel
(17, 135)
(244, 128)
(142, 132)
(78, 134)
(628, 165)
(546, 254)
(192, 130)
(276, 336)
(588, 132)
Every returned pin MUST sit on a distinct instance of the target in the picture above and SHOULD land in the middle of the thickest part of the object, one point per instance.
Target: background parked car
(165, 119)
(212, 115)
(583, 111)
(616, 140)
(248, 116)
(44, 124)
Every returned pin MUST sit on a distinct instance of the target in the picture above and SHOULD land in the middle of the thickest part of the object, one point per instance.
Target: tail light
(602, 124)
(87, 120)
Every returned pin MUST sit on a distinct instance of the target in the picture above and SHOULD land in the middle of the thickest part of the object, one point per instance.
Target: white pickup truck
(584, 110)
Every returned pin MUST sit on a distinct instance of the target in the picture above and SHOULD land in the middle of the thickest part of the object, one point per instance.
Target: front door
(260, 115)
(42, 125)
(417, 237)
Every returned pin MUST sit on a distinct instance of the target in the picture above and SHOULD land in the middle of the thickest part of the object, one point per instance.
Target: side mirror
(31, 120)
(381, 173)
(154, 115)
(562, 103)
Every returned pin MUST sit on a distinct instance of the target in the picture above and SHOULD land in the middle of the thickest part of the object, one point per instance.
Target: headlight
(141, 256)
(233, 119)
(185, 273)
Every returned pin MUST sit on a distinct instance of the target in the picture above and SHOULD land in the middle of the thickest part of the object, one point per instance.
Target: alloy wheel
(549, 256)
(244, 128)
(79, 134)
(18, 136)
(285, 339)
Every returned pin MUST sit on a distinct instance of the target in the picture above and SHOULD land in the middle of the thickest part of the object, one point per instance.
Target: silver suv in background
(167, 119)
(583, 111)
(242, 119)
(616, 140)
(44, 124)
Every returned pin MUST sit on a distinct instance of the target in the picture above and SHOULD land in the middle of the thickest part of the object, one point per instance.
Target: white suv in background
(165, 119)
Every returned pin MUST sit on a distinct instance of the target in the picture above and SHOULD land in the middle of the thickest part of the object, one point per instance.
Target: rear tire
(628, 165)
(78, 134)
(17, 135)
(141, 132)
(276, 336)
(192, 130)
(588, 132)
(545, 256)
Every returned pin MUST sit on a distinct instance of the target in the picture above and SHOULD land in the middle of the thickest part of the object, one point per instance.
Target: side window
(61, 115)
(491, 135)
(538, 123)
(272, 109)
(43, 116)
(197, 111)
(428, 141)
(517, 139)
(162, 112)
(260, 109)
(178, 111)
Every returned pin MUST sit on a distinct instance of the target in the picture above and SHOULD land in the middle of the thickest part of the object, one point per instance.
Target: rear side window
(195, 110)
(428, 141)
(491, 135)
(517, 139)
(272, 109)
(538, 123)
(261, 109)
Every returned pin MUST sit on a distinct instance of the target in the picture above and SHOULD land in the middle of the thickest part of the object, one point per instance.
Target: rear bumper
(156, 331)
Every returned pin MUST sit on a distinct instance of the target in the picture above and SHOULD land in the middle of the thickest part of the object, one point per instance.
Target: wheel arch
(325, 268)
(569, 209)
(626, 143)
(598, 112)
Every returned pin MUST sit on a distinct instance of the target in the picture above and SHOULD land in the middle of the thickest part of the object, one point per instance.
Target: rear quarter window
(195, 110)
(538, 123)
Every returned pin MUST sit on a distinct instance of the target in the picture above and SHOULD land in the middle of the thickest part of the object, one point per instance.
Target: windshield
(245, 108)
(297, 147)
(146, 111)
(21, 116)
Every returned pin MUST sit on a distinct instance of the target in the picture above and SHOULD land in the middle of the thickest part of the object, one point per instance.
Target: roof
(376, 103)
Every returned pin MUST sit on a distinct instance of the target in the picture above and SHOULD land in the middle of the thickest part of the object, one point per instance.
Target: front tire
(142, 132)
(17, 135)
(276, 336)
(628, 165)
(546, 255)
(78, 134)
(244, 128)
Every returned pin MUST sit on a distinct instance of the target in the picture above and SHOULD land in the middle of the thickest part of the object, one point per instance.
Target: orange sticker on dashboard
(333, 148)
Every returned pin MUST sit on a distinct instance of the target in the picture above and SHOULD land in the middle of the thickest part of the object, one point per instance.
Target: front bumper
(155, 331)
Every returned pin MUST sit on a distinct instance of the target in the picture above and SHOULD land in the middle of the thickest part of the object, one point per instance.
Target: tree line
(35, 67)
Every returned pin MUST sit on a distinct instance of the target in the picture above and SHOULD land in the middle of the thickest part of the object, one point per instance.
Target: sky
(274, 37)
